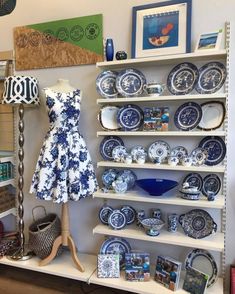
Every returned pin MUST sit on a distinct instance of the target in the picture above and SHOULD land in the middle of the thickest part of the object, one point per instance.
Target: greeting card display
(195, 281)
(168, 272)
(137, 267)
(156, 118)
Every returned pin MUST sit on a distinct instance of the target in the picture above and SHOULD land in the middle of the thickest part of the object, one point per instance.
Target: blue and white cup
(210, 195)
(157, 161)
(173, 160)
(156, 213)
(141, 159)
(128, 158)
(172, 222)
(187, 161)
(140, 214)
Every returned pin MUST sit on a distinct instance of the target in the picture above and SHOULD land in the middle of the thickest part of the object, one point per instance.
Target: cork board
(59, 43)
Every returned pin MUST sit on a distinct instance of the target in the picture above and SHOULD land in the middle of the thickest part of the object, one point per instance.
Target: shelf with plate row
(214, 242)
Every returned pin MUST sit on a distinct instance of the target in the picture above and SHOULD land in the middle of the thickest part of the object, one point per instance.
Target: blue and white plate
(211, 183)
(119, 153)
(130, 82)
(211, 78)
(130, 117)
(108, 176)
(108, 144)
(188, 116)
(199, 156)
(104, 214)
(106, 84)
(194, 180)
(130, 214)
(128, 176)
(203, 261)
(182, 78)
(180, 152)
(117, 220)
(138, 151)
(116, 246)
(159, 150)
(216, 149)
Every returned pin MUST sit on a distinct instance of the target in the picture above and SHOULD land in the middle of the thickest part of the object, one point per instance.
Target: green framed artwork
(66, 42)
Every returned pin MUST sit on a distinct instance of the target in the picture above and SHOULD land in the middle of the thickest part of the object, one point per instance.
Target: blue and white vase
(109, 49)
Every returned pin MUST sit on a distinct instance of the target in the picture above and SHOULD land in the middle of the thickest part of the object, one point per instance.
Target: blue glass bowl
(156, 187)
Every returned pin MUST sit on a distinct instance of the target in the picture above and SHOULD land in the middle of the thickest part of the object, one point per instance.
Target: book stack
(137, 267)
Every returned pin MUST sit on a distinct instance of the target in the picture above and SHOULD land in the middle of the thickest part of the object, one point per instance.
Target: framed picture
(209, 41)
(161, 28)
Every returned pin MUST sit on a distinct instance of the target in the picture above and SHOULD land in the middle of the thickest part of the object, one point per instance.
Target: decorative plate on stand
(106, 84)
(194, 180)
(211, 183)
(108, 144)
(108, 118)
(130, 117)
(211, 78)
(159, 150)
(180, 152)
(182, 78)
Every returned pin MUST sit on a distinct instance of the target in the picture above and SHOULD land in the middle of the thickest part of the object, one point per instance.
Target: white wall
(207, 16)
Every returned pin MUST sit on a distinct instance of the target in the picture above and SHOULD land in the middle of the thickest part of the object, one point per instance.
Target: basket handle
(38, 207)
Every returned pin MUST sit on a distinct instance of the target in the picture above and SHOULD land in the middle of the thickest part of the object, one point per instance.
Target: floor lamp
(20, 91)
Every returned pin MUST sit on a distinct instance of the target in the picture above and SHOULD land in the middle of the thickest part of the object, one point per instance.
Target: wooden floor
(19, 281)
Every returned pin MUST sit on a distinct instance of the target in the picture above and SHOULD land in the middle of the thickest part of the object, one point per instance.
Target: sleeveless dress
(64, 170)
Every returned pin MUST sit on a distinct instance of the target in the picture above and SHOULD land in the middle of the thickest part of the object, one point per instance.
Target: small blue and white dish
(137, 151)
(130, 117)
(211, 183)
(117, 220)
(216, 149)
(108, 176)
(128, 176)
(119, 186)
(180, 152)
(106, 84)
(119, 153)
(130, 214)
(108, 144)
(152, 226)
(188, 116)
(159, 150)
(130, 82)
(104, 214)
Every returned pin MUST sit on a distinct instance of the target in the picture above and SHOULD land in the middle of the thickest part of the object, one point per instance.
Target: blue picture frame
(161, 28)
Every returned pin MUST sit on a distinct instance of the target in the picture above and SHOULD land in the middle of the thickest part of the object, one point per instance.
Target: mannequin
(64, 169)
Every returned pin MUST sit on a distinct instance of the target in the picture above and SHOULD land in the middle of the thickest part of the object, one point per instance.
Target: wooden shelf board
(204, 168)
(62, 266)
(149, 287)
(162, 98)
(165, 134)
(167, 59)
(8, 212)
(214, 242)
(137, 196)
(6, 55)
(8, 182)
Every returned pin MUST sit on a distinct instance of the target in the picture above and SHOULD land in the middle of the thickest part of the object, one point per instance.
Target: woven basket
(7, 200)
(42, 234)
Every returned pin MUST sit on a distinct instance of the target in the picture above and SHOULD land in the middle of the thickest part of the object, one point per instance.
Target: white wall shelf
(162, 98)
(6, 158)
(214, 242)
(136, 196)
(167, 59)
(202, 168)
(149, 287)
(8, 182)
(162, 134)
(8, 212)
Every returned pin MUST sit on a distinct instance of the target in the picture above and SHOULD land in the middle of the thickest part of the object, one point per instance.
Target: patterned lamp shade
(20, 89)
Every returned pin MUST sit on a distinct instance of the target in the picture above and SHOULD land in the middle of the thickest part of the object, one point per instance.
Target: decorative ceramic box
(156, 118)
(137, 267)
(108, 266)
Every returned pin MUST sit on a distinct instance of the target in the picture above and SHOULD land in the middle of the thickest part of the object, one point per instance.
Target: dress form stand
(65, 239)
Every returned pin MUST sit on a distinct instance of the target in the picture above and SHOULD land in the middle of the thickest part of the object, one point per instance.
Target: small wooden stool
(64, 239)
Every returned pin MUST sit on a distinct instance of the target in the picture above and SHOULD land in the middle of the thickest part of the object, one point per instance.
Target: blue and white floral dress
(64, 170)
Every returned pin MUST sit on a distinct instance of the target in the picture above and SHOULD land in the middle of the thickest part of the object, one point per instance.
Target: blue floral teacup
(187, 161)
(173, 160)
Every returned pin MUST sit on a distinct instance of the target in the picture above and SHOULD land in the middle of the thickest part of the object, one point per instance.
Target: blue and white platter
(211, 183)
(180, 152)
(211, 78)
(130, 82)
(106, 84)
(108, 144)
(194, 180)
(182, 78)
(128, 176)
(116, 246)
(108, 176)
(203, 261)
(104, 214)
(216, 149)
(130, 117)
(130, 214)
(117, 220)
(159, 150)
(188, 116)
